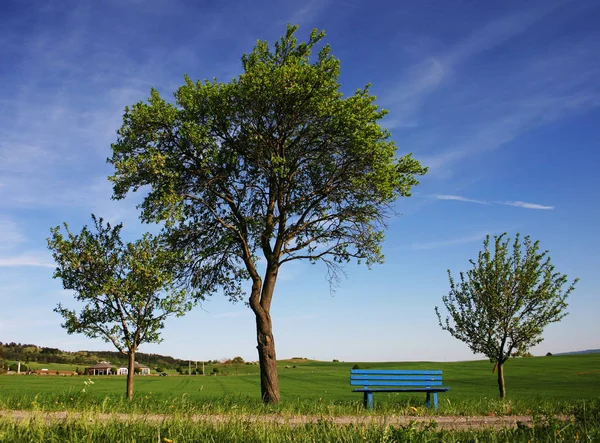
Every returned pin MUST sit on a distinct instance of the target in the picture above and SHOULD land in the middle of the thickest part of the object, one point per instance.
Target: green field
(306, 385)
(541, 387)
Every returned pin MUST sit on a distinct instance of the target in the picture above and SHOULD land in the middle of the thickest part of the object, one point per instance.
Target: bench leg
(368, 399)
(428, 400)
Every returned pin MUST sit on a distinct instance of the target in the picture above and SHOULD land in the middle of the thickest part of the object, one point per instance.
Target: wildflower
(167, 440)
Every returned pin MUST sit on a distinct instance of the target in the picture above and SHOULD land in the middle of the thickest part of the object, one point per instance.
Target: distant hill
(29, 353)
(587, 351)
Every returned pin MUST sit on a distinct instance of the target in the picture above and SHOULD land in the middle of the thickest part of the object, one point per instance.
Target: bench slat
(401, 390)
(397, 377)
(393, 372)
(393, 383)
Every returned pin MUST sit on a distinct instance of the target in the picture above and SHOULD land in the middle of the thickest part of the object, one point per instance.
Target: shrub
(355, 367)
(549, 354)
(335, 360)
(238, 360)
(215, 370)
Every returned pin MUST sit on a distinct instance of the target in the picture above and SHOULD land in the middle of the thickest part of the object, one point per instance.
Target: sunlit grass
(179, 428)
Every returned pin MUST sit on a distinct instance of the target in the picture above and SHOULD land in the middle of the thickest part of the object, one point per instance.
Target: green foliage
(356, 367)
(501, 306)
(237, 360)
(120, 284)
(274, 163)
(128, 289)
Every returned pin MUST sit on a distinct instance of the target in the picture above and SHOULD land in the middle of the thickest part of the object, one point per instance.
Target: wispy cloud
(468, 103)
(423, 79)
(518, 204)
(306, 13)
(478, 236)
(10, 234)
(33, 259)
(460, 198)
(526, 205)
(408, 96)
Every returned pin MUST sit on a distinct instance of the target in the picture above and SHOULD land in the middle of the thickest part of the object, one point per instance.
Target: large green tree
(276, 164)
(128, 289)
(501, 306)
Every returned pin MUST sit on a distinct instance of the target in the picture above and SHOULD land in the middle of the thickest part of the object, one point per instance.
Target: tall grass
(180, 429)
(392, 404)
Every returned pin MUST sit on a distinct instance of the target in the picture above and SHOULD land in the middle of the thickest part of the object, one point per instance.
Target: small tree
(501, 306)
(128, 290)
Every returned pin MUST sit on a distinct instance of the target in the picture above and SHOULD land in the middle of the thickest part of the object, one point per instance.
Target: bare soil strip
(441, 422)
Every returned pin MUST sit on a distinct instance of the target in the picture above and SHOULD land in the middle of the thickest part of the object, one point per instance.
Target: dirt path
(443, 422)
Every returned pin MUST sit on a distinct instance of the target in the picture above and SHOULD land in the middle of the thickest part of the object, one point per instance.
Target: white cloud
(469, 107)
(423, 79)
(33, 259)
(460, 198)
(520, 204)
(411, 92)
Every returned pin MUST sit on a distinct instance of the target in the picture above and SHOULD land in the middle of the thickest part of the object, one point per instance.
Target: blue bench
(395, 380)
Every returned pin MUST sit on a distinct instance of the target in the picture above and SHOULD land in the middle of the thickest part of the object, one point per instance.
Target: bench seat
(397, 380)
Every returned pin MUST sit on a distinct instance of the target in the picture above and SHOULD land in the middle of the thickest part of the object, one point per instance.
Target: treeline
(29, 353)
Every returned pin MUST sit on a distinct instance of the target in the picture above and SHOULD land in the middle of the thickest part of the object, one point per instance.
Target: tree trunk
(260, 302)
(501, 386)
(269, 380)
(130, 374)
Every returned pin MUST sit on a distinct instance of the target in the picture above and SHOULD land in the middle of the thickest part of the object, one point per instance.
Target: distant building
(139, 369)
(102, 368)
(105, 368)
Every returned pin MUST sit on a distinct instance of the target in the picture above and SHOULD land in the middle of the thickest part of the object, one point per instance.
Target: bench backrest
(395, 377)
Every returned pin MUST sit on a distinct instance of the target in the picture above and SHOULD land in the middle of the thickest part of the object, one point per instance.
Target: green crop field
(541, 387)
(538, 380)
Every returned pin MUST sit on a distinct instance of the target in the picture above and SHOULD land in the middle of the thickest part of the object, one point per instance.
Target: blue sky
(500, 99)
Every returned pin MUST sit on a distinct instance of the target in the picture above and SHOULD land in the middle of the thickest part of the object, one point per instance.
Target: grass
(534, 385)
(542, 387)
(180, 429)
